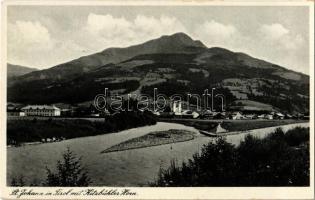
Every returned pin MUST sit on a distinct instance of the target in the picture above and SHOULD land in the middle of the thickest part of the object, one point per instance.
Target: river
(135, 167)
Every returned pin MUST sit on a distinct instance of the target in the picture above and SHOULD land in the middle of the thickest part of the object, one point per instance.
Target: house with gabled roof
(237, 116)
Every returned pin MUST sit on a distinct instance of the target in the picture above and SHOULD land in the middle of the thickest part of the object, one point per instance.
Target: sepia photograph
(184, 95)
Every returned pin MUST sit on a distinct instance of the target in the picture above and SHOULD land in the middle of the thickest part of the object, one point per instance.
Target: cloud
(157, 26)
(107, 25)
(109, 31)
(27, 34)
(28, 42)
(214, 33)
(273, 31)
(272, 42)
(293, 42)
(32, 43)
(280, 37)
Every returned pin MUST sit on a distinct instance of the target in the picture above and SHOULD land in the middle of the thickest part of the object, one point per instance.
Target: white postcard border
(152, 192)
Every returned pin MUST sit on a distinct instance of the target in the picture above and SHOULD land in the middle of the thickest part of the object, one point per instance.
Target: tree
(69, 172)
(280, 159)
(18, 182)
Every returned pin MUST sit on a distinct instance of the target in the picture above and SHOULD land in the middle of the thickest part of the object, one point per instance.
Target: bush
(295, 137)
(17, 182)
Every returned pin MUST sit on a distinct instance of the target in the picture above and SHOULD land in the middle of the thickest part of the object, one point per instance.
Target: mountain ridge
(174, 64)
(18, 70)
(178, 42)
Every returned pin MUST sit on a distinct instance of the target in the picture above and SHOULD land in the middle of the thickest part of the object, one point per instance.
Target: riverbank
(153, 139)
(136, 167)
(232, 125)
(279, 159)
(174, 136)
(20, 132)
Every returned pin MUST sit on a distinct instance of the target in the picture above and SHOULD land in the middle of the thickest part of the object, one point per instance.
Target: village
(176, 110)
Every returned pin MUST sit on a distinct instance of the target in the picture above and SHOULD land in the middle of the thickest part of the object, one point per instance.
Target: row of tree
(277, 160)
(36, 130)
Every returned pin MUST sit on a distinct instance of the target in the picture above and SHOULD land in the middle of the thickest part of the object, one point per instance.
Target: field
(251, 105)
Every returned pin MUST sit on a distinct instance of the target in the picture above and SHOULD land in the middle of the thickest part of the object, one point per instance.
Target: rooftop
(40, 107)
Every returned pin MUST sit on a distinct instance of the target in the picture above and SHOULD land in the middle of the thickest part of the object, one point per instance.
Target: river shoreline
(135, 167)
(253, 130)
(144, 142)
(191, 124)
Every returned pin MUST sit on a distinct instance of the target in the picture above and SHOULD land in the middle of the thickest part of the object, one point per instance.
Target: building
(269, 116)
(218, 129)
(41, 110)
(219, 115)
(65, 109)
(206, 114)
(306, 116)
(13, 110)
(190, 114)
(237, 116)
(251, 116)
(278, 115)
(288, 116)
(262, 116)
(177, 107)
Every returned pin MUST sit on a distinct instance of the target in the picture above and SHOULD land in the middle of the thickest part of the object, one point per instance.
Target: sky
(44, 36)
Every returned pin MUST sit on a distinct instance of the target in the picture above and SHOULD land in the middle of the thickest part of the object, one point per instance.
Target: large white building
(41, 110)
(15, 111)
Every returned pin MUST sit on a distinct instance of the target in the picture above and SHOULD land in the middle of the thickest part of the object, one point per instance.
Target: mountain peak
(180, 35)
(175, 43)
(183, 39)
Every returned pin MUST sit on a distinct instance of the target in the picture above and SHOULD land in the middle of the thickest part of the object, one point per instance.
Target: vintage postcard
(157, 99)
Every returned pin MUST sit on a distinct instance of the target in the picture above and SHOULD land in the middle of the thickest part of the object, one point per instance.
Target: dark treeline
(21, 131)
(39, 92)
(232, 125)
(280, 159)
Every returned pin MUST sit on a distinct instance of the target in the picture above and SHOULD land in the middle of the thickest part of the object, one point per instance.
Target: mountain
(17, 70)
(176, 43)
(174, 64)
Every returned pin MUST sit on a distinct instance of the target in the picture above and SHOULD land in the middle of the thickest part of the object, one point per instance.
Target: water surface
(135, 167)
